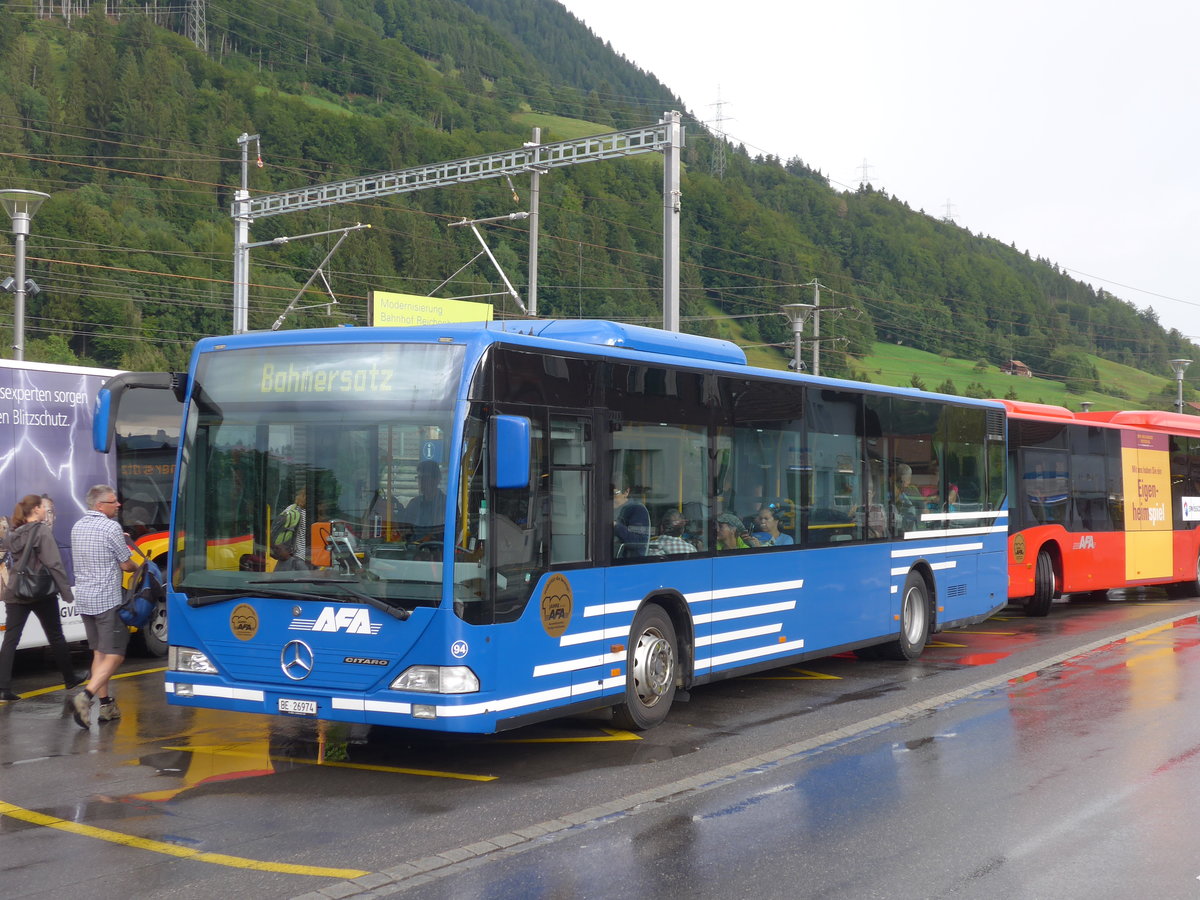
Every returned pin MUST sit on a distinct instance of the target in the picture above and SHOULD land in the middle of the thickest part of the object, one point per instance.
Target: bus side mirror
(511, 449)
(108, 401)
(103, 421)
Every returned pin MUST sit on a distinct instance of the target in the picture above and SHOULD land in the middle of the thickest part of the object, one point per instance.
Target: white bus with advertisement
(46, 414)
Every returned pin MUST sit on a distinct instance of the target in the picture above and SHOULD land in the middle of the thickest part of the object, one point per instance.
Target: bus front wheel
(651, 670)
(1043, 586)
(914, 621)
(151, 638)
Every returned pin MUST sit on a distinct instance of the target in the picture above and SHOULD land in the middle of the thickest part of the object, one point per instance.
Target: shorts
(106, 633)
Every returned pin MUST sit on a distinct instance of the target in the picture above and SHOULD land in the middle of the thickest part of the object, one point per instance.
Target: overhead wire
(610, 250)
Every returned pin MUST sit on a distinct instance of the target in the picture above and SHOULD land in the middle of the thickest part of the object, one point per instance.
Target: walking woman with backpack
(33, 551)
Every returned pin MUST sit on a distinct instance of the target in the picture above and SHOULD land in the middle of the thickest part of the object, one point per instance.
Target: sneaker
(109, 709)
(6, 694)
(78, 678)
(81, 709)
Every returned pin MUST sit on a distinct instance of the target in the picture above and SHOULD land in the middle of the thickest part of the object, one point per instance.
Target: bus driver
(426, 512)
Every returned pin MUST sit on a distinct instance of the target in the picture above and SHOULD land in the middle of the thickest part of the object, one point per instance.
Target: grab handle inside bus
(108, 400)
(511, 436)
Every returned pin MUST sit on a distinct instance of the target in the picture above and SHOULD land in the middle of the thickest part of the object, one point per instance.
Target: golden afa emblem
(556, 605)
(243, 622)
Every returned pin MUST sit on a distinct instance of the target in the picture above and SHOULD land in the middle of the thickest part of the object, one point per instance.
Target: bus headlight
(185, 659)
(437, 680)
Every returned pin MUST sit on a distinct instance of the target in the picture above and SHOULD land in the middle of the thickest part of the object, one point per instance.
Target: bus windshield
(318, 470)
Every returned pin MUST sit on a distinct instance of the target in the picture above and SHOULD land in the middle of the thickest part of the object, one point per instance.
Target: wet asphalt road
(1021, 757)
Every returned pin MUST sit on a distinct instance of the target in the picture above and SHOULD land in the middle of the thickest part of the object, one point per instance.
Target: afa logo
(557, 600)
(1085, 542)
(1018, 548)
(350, 619)
(243, 622)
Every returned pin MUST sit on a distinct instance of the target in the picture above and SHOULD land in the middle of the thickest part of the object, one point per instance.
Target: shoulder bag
(30, 579)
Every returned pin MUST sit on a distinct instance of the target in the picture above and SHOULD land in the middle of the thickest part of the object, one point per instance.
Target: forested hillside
(133, 131)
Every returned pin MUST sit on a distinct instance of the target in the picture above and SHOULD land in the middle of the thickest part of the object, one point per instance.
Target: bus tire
(151, 638)
(914, 621)
(1184, 589)
(651, 671)
(1043, 587)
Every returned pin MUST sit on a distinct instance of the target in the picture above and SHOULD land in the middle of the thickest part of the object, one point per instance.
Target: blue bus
(473, 527)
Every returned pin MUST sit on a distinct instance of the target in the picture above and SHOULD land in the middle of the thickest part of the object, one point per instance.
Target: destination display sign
(391, 375)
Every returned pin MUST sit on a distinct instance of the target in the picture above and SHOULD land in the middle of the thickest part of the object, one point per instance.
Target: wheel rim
(653, 666)
(158, 622)
(913, 616)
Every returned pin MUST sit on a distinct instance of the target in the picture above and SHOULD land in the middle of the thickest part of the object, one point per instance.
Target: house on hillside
(1016, 367)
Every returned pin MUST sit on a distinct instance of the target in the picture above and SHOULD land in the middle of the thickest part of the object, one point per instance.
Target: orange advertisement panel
(1146, 464)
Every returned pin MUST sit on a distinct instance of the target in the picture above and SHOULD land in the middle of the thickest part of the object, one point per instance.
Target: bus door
(1145, 460)
(539, 553)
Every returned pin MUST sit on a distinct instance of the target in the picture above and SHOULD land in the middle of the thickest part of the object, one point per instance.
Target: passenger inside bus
(732, 533)
(908, 499)
(670, 540)
(870, 516)
(693, 531)
(631, 524)
(769, 531)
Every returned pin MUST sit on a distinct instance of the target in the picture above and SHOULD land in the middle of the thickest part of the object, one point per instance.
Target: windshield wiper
(393, 611)
(396, 612)
(210, 599)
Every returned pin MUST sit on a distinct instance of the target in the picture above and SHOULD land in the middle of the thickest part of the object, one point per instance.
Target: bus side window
(570, 487)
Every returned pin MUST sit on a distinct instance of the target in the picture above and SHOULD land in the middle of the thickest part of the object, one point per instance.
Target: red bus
(1101, 500)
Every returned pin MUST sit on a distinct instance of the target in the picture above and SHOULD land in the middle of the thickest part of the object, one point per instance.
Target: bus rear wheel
(1189, 588)
(914, 621)
(651, 671)
(1043, 586)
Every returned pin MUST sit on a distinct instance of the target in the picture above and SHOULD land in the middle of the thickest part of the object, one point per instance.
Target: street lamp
(1179, 365)
(798, 313)
(20, 206)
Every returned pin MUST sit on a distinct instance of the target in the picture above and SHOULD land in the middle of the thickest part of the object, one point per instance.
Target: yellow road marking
(943, 644)
(235, 750)
(61, 687)
(1153, 656)
(801, 675)
(1149, 632)
(138, 843)
(610, 734)
(965, 631)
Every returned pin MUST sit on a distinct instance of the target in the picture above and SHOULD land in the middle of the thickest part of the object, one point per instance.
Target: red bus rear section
(1101, 500)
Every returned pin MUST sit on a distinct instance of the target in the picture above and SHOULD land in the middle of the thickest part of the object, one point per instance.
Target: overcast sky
(1065, 127)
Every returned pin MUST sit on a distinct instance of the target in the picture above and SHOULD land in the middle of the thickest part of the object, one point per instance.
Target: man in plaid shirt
(671, 540)
(100, 555)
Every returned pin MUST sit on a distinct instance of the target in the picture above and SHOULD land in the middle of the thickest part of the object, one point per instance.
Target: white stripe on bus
(743, 612)
(217, 690)
(743, 655)
(948, 564)
(943, 548)
(574, 665)
(726, 636)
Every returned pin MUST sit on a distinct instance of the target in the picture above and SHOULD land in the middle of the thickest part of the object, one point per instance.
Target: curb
(426, 869)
